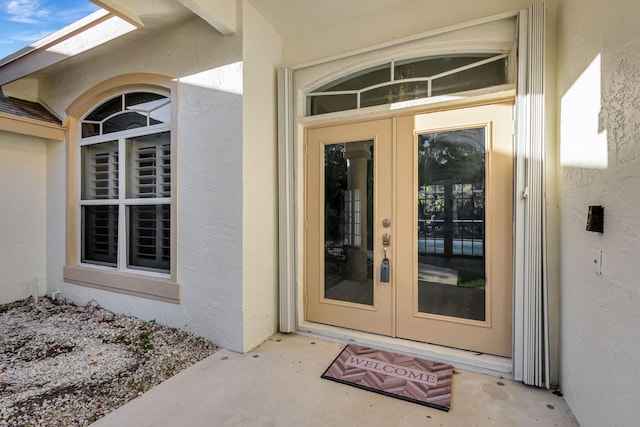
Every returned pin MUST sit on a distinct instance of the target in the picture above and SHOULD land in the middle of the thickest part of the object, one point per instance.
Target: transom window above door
(125, 183)
(410, 79)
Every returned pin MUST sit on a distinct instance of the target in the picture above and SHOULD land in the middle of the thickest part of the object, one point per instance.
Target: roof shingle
(22, 108)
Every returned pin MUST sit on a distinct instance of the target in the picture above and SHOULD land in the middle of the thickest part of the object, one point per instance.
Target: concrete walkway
(279, 384)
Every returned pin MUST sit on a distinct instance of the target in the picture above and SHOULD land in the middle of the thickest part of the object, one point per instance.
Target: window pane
(149, 166)
(150, 237)
(394, 93)
(90, 129)
(106, 109)
(158, 107)
(323, 104)
(428, 67)
(491, 74)
(100, 171)
(100, 235)
(359, 80)
(136, 99)
(124, 121)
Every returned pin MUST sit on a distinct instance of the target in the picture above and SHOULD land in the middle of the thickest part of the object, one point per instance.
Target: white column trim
(286, 201)
(531, 341)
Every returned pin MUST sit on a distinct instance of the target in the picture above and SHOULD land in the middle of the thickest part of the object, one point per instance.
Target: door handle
(386, 265)
(384, 271)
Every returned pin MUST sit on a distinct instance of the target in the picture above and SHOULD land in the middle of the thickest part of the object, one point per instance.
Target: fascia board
(31, 127)
(220, 14)
(121, 10)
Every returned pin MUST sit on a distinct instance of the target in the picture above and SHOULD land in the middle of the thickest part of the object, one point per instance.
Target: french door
(409, 224)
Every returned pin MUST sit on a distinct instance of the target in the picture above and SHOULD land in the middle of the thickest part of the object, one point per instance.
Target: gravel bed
(65, 365)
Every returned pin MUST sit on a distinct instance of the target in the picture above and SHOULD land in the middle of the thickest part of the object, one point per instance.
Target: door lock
(386, 240)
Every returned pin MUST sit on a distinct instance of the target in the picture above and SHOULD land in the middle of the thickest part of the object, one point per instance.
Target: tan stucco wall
(598, 92)
(23, 212)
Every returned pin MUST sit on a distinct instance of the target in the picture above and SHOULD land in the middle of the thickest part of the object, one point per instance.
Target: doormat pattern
(404, 377)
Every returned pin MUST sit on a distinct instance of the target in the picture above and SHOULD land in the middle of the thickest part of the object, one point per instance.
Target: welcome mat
(404, 377)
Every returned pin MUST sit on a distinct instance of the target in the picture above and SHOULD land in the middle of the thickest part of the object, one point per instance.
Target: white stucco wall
(394, 22)
(262, 55)
(598, 91)
(208, 67)
(22, 216)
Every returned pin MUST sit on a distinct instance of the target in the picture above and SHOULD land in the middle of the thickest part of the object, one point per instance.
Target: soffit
(147, 12)
(164, 15)
(155, 15)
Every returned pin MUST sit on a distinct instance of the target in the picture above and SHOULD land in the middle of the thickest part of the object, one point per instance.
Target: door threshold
(468, 360)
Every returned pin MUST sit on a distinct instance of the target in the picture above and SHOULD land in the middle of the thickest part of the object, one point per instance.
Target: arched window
(410, 79)
(125, 183)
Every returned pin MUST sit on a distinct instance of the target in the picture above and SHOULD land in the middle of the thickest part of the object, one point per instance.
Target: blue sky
(23, 22)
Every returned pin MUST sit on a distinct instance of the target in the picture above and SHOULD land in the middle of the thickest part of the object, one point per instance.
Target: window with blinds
(149, 177)
(127, 139)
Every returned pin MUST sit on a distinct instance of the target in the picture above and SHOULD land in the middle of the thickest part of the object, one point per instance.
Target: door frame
(530, 361)
(393, 310)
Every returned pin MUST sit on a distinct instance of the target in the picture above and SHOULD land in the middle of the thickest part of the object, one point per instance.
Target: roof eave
(83, 35)
(31, 127)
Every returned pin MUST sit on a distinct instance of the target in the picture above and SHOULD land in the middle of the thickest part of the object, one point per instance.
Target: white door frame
(530, 362)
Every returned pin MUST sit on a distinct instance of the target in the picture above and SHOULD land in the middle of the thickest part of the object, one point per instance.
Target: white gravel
(64, 365)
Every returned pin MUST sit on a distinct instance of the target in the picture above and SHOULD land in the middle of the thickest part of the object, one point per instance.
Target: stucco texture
(599, 43)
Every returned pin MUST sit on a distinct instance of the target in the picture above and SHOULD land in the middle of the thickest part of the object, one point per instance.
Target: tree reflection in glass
(451, 223)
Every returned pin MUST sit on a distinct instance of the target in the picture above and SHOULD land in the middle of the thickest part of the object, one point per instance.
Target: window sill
(125, 283)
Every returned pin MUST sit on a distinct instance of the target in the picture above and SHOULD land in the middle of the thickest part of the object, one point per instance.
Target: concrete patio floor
(279, 384)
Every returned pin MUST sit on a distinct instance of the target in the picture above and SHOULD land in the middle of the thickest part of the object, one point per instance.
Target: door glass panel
(451, 223)
(348, 222)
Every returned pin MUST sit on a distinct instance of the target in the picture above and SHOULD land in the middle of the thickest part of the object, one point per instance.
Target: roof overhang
(220, 14)
(83, 35)
(31, 127)
(116, 19)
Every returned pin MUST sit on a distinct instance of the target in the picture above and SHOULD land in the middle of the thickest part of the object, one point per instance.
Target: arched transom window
(125, 177)
(410, 79)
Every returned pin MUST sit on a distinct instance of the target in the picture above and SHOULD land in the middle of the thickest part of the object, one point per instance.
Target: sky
(23, 22)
